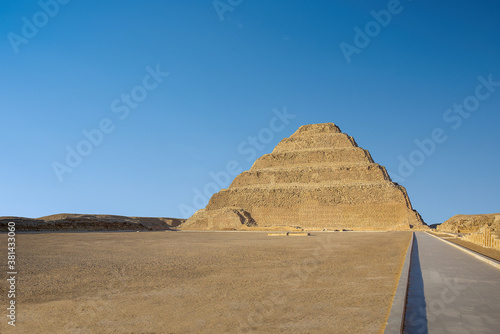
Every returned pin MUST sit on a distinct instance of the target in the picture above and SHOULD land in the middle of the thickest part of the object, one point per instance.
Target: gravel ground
(204, 282)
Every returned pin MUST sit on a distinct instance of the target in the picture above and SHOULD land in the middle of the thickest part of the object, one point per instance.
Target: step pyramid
(316, 179)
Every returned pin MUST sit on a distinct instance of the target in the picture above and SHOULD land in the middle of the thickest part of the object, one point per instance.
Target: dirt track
(205, 282)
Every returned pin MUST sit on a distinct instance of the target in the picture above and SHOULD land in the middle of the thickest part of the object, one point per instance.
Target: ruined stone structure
(471, 223)
(318, 178)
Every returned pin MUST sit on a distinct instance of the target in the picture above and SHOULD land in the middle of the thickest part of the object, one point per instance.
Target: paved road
(450, 291)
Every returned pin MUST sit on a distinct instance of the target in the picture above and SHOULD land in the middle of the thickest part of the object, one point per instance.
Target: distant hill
(64, 222)
(471, 223)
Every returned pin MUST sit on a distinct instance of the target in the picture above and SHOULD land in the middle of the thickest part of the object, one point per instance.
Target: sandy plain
(204, 282)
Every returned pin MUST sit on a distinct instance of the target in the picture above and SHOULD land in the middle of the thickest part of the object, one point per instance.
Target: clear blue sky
(86, 65)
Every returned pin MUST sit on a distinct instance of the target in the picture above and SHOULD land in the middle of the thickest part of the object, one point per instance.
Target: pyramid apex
(318, 128)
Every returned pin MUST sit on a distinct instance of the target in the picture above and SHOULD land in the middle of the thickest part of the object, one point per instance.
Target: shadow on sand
(415, 317)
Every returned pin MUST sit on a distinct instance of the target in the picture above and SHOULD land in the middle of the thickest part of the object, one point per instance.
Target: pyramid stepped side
(330, 156)
(379, 206)
(312, 175)
(317, 178)
(315, 141)
(289, 195)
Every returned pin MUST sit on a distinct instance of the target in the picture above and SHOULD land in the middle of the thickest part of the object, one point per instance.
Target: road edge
(396, 319)
(478, 256)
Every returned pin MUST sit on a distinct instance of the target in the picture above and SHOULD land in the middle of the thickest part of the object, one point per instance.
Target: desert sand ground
(205, 282)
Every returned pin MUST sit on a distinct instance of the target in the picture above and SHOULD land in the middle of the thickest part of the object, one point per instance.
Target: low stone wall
(484, 238)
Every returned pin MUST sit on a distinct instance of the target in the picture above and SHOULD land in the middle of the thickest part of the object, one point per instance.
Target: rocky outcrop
(318, 178)
(227, 218)
(76, 222)
(471, 223)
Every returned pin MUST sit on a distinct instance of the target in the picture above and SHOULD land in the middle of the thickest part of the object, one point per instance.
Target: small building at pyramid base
(317, 179)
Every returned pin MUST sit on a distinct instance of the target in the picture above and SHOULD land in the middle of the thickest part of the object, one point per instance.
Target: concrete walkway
(450, 291)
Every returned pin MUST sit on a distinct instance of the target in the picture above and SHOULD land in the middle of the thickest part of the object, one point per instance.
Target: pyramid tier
(316, 141)
(370, 205)
(292, 194)
(312, 175)
(344, 156)
(313, 129)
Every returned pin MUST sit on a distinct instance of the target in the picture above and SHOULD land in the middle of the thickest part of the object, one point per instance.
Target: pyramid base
(374, 217)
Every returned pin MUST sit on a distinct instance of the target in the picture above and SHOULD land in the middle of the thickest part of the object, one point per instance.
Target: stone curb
(478, 256)
(396, 318)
